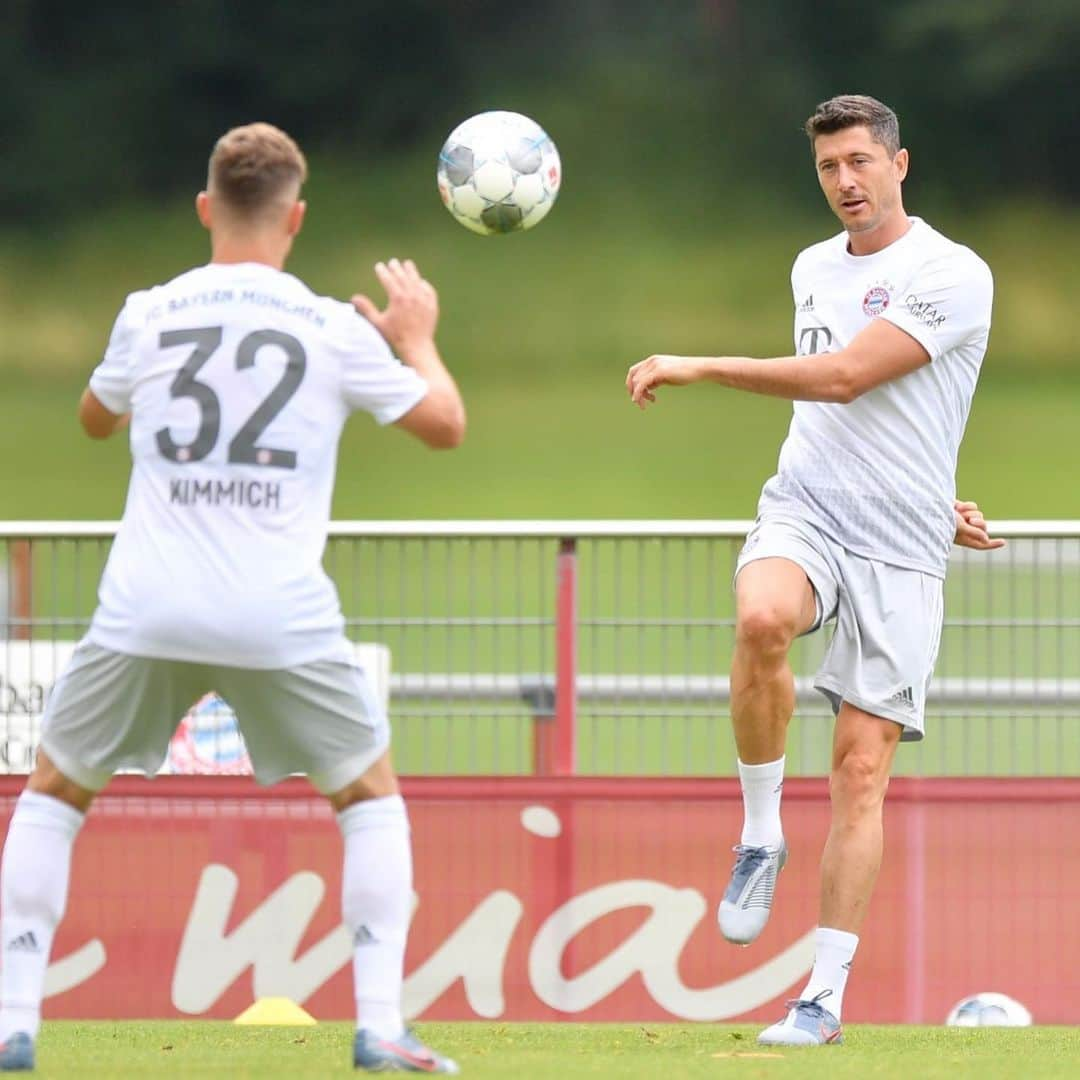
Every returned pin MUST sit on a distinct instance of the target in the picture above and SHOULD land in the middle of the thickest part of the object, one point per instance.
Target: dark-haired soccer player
(891, 325)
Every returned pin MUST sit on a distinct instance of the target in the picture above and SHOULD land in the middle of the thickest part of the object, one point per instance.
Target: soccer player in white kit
(891, 325)
(237, 380)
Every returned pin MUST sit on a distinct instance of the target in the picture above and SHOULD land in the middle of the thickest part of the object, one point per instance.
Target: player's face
(859, 177)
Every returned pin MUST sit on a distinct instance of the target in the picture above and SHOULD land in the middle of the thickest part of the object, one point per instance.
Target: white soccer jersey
(878, 475)
(239, 380)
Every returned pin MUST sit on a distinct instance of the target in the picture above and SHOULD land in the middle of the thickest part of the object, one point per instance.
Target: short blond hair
(254, 167)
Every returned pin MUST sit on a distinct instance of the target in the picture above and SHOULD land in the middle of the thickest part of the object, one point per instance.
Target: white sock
(33, 896)
(376, 903)
(761, 789)
(833, 953)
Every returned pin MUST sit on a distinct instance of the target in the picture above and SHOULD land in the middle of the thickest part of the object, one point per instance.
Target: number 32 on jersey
(244, 448)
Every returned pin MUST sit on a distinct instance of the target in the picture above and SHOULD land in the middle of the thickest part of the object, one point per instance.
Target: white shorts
(110, 711)
(888, 621)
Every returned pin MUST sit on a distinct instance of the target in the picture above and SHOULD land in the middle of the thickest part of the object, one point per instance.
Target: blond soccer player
(891, 325)
(237, 379)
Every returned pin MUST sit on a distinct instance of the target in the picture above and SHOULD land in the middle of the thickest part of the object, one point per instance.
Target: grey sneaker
(808, 1023)
(406, 1053)
(744, 911)
(17, 1054)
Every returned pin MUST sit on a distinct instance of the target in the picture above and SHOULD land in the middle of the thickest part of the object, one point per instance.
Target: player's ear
(296, 216)
(901, 162)
(202, 208)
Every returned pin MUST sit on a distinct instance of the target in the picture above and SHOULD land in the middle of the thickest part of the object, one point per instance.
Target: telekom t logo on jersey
(816, 336)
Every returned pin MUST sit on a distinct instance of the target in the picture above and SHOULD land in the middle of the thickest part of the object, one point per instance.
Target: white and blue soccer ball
(988, 1010)
(499, 172)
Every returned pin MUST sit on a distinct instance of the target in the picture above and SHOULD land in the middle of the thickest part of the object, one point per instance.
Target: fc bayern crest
(875, 301)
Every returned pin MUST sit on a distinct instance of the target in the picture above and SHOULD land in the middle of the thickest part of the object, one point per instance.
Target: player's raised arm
(408, 323)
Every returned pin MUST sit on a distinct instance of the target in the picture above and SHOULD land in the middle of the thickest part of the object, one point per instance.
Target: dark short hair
(853, 110)
(255, 166)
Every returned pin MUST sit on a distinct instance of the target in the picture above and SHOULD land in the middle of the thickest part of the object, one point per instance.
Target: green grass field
(566, 1051)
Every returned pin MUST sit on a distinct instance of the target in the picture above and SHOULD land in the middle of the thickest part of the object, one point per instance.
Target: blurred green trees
(106, 101)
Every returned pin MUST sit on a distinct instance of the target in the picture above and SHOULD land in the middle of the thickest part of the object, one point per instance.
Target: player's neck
(231, 249)
(877, 239)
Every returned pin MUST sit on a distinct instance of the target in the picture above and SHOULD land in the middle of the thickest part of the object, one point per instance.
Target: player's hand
(643, 378)
(971, 528)
(412, 308)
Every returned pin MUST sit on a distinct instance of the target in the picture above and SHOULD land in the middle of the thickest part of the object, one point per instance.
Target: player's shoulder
(940, 252)
(824, 251)
(342, 327)
(333, 313)
(338, 316)
(138, 305)
(350, 330)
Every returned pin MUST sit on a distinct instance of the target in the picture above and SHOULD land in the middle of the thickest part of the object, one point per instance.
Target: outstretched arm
(879, 353)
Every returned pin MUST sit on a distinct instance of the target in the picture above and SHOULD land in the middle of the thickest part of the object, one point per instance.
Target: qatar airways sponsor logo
(926, 312)
(215, 949)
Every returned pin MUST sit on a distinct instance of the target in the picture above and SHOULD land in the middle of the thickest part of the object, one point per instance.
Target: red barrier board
(562, 898)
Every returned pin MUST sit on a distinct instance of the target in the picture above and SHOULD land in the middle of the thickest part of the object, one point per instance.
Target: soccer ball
(988, 1010)
(499, 172)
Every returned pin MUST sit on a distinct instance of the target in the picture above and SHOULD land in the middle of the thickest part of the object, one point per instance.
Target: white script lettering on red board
(210, 960)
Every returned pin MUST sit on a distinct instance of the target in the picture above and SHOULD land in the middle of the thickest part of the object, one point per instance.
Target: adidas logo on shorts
(904, 697)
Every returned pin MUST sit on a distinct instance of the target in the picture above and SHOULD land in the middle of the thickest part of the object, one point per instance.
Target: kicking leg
(774, 604)
(33, 896)
(376, 905)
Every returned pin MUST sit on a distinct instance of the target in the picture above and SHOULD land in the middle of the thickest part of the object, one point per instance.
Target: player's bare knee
(47, 779)
(858, 782)
(764, 631)
(377, 783)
